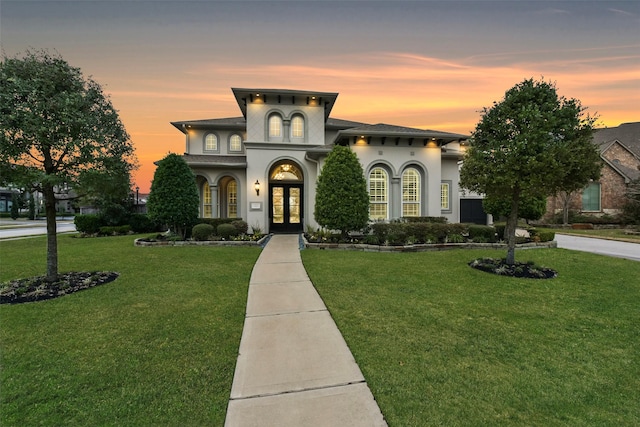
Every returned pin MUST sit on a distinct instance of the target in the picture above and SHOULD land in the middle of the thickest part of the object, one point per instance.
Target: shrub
(432, 219)
(455, 238)
(241, 226)
(482, 233)
(87, 224)
(215, 222)
(500, 231)
(226, 231)
(141, 223)
(114, 230)
(546, 235)
(202, 232)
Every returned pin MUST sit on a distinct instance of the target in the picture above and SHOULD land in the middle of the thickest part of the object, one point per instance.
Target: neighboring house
(263, 166)
(620, 151)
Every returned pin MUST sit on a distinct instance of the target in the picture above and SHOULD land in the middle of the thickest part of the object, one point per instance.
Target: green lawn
(156, 347)
(443, 344)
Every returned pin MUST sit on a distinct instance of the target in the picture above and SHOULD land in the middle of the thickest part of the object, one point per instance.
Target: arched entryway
(286, 196)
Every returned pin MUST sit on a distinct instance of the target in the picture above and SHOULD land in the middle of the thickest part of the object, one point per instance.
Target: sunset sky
(425, 64)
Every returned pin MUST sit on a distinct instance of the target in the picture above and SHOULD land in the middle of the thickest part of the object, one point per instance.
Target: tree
(15, 206)
(32, 207)
(342, 200)
(174, 199)
(529, 208)
(57, 131)
(532, 144)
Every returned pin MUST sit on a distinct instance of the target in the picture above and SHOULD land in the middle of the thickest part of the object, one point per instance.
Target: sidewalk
(294, 367)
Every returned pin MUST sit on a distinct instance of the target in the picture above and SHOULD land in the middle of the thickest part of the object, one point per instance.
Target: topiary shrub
(226, 231)
(202, 232)
(241, 226)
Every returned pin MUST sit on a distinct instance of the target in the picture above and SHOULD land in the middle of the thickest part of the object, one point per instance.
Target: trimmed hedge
(401, 233)
(435, 219)
(114, 230)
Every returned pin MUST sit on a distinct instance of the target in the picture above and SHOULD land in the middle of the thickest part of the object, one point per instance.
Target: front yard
(438, 342)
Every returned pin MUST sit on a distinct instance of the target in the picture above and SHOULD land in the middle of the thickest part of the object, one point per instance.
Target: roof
(225, 123)
(386, 130)
(326, 99)
(627, 134)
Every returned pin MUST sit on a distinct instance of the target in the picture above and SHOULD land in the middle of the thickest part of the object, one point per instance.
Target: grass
(156, 347)
(443, 344)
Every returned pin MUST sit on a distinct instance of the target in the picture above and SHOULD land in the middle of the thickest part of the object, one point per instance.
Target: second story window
(275, 126)
(211, 142)
(297, 127)
(235, 143)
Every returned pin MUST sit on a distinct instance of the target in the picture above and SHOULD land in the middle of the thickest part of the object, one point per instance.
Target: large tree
(58, 133)
(342, 200)
(174, 199)
(534, 143)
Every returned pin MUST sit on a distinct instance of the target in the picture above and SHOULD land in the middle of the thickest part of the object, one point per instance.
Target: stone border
(261, 242)
(423, 247)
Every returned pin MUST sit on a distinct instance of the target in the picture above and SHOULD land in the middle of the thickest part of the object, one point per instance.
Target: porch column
(396, 198)
(214, 201)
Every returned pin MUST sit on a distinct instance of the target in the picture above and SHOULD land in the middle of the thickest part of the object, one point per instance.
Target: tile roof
(229, 123)
(383, 129)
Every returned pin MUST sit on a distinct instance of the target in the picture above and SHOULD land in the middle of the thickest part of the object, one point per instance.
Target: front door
(285, 208)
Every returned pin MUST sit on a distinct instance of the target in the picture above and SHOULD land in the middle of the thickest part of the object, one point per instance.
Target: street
(600, 246)
(11, 229)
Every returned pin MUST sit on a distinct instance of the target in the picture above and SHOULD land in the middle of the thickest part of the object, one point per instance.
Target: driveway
(600, 246)
(10, 229)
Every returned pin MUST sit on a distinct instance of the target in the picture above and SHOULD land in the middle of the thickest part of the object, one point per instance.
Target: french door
(285, 208)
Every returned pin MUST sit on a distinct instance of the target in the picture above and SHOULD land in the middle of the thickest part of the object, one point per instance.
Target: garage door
(471, 211)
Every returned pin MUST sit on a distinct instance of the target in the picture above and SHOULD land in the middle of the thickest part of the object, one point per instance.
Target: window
(378, 195)
(235, 143)
(411, 192)
(591, 197)
(275, 125)
(232, 199)
(211, 142)
(445, 204)
(206, 200)
(297, 127)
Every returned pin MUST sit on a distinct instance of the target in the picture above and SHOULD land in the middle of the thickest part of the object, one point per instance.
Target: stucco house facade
(262, 166)
(620, 153)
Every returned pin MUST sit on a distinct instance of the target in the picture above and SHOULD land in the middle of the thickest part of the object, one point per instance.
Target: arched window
(232, 199)
(378, 194)
(235, 143)
(211, 142)
(411, 192)
(297, 127)
(275, 125)
(206, 200)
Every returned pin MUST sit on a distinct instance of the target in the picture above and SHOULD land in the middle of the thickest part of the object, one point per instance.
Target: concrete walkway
(294, 367)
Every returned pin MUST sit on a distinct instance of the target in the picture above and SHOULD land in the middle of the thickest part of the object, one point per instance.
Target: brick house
(620, 152)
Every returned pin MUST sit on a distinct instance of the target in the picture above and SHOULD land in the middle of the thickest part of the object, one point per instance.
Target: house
(620, 152)
(263, 165)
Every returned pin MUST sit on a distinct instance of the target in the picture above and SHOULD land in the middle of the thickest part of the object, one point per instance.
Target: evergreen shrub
(241, 226)
(202, 232)
(482, 233)
(226, 231)
(88, 224)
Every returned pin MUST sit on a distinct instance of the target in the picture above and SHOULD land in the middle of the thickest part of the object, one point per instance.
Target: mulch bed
(519, 269)
(38, 288)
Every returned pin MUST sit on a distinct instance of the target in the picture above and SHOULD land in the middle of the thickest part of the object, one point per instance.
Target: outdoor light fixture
(257, 187)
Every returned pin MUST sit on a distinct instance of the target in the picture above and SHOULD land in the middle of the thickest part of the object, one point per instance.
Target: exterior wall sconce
(257, 187)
